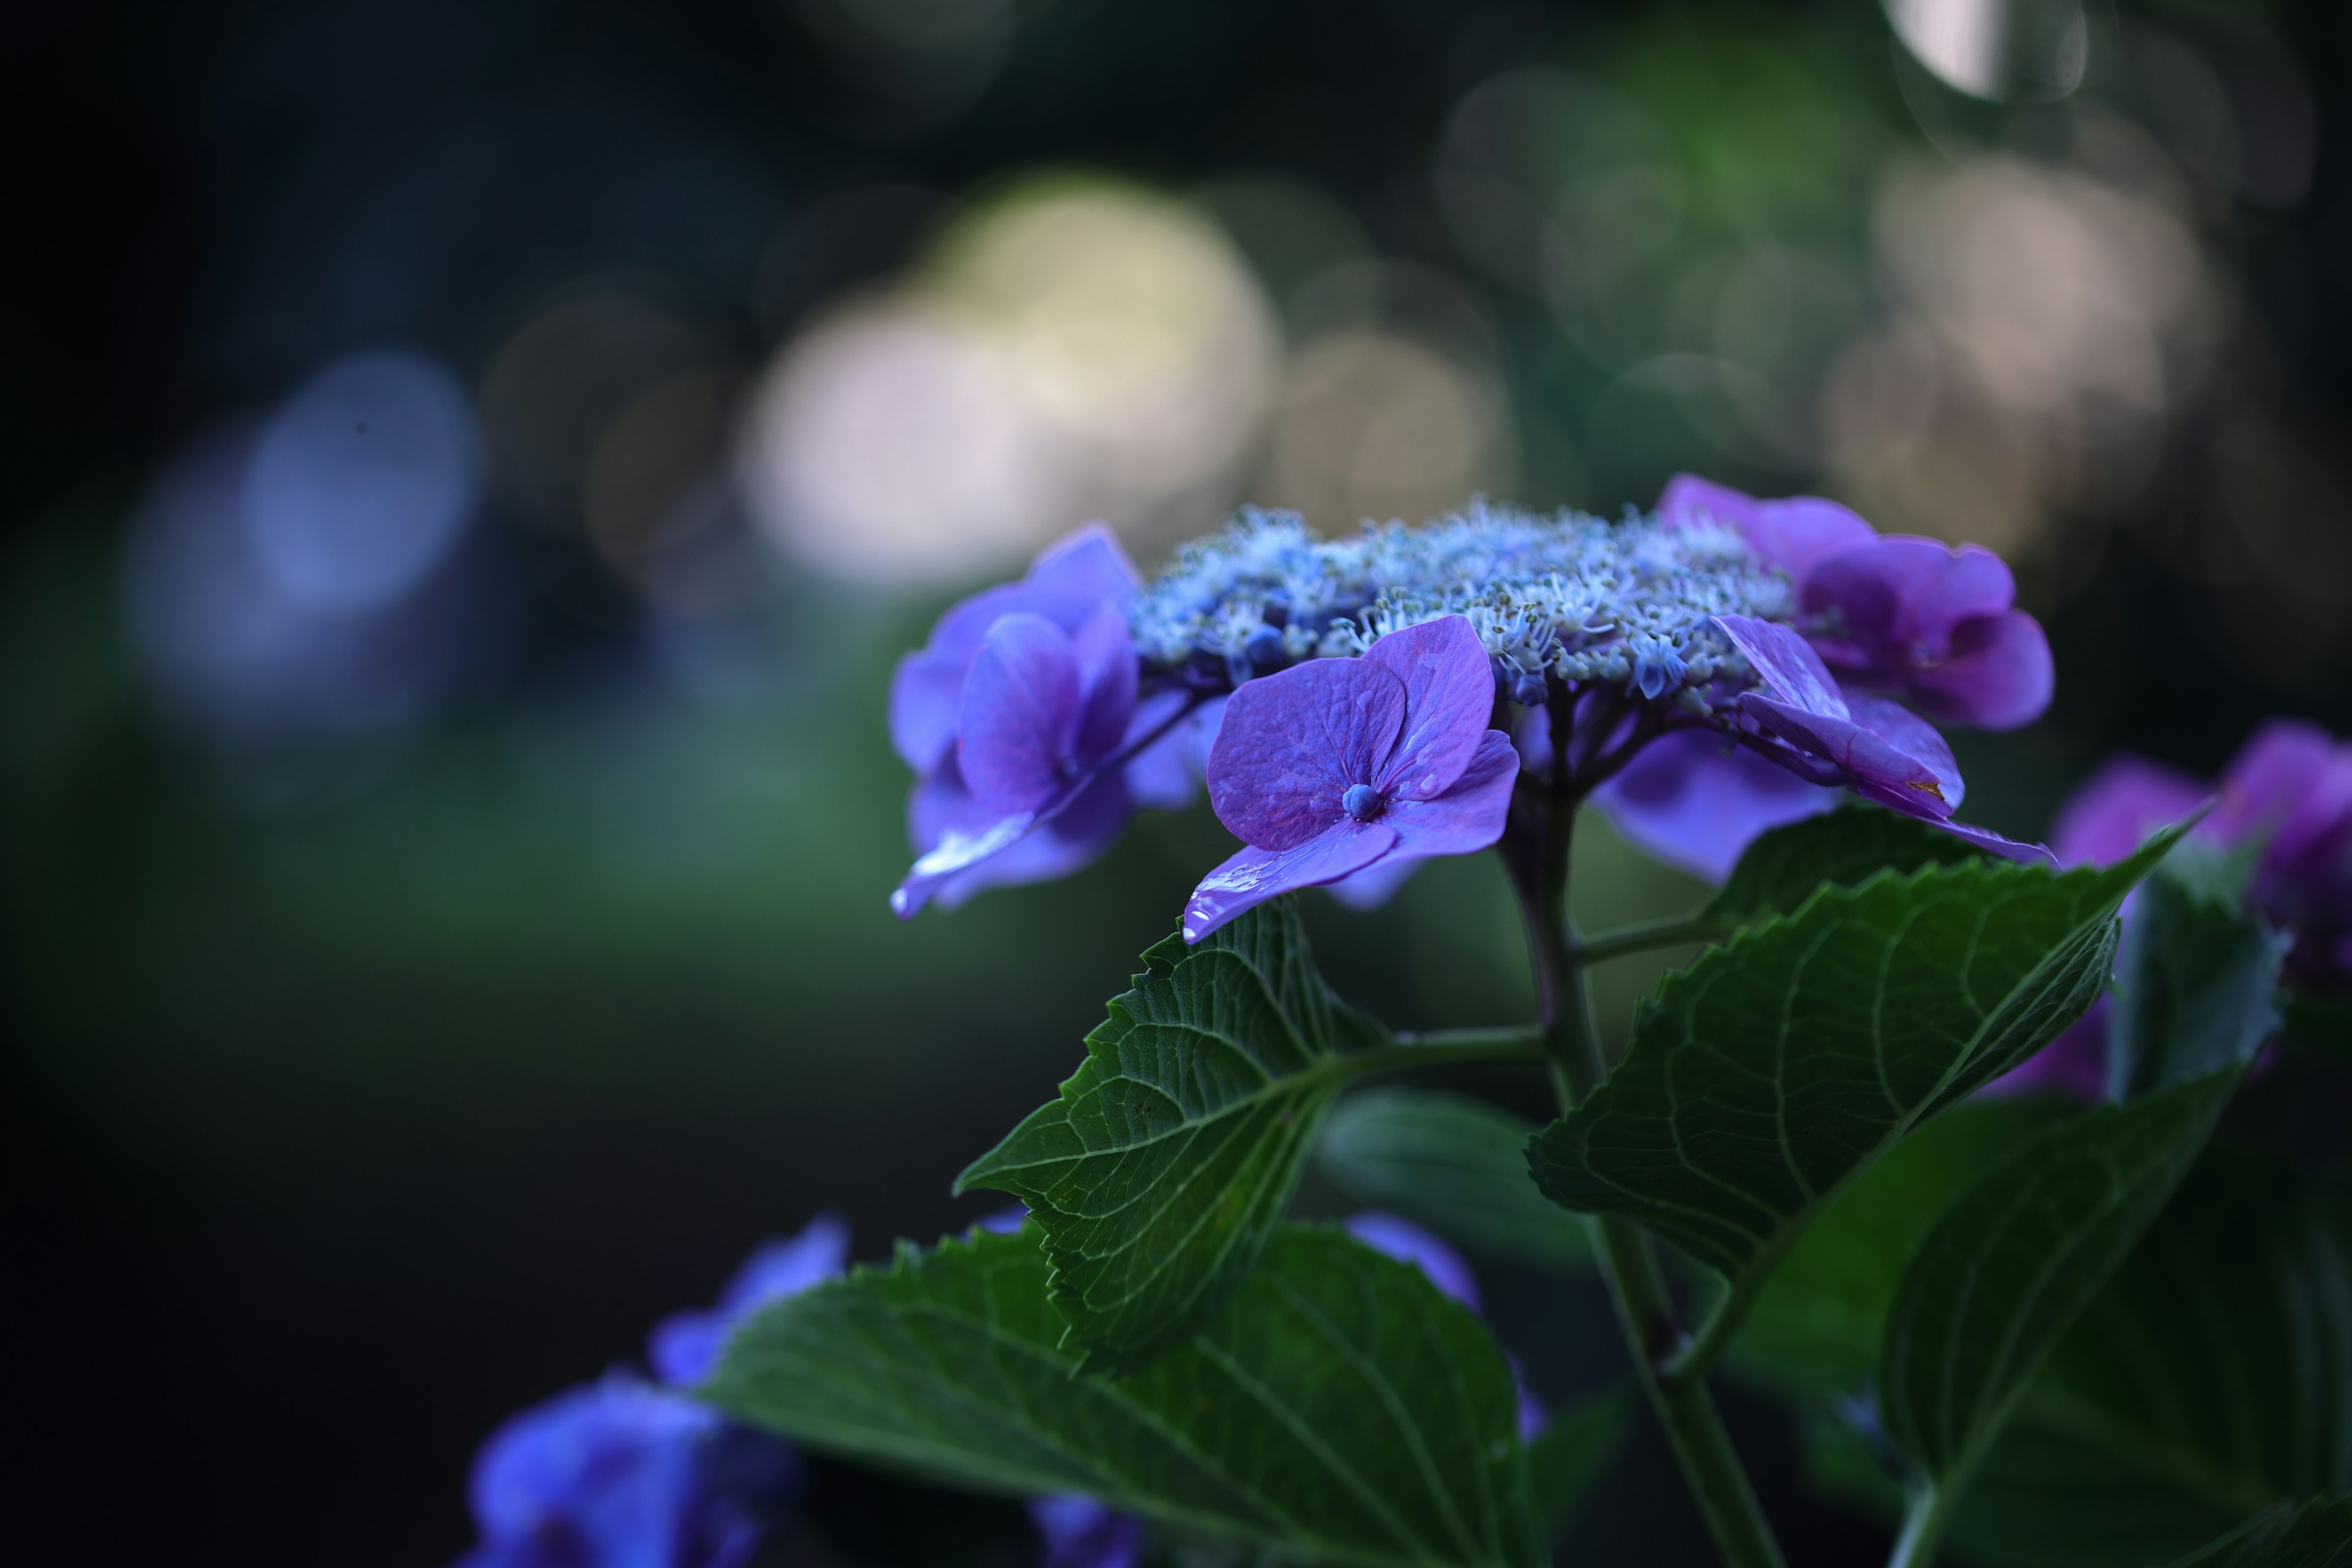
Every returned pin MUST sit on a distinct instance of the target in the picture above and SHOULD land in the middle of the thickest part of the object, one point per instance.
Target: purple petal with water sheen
(684, 1347)
(1687, 801)
(1449, 695)
(1877, 770)
(1019, 727)
(1992, 843)
(1252, 877)
(2112, 813)
(1408, 1243)
(1105, 655)
(1376, 884)
(968, 850)
(1469, 816)
(1792, 673)
(1291, 744)
(1795, 534)
(1997, 674)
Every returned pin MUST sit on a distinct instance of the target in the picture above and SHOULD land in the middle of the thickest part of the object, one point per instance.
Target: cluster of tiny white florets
(1570, 596)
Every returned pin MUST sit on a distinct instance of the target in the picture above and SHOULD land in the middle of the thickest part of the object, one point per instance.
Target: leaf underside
(2314, 1534)
(1165, 1164)
(1771, 1072)
(2011, 1263)
(1340, 1409)
(1454, 1163)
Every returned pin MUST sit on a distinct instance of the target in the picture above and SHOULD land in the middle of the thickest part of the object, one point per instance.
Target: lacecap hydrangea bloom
(1702, 672)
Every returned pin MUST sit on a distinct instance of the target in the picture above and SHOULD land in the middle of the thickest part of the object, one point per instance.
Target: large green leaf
(2315, 1534)
(1567, 1460)
(1341, 1408)
(2195, 980)
(1843, 847)
(1167, 1160)
(1455, 1165)
(2016, 1258)
(2220, 1356)
(2323, 1024)
(1773, 1071)
(1814, 1331)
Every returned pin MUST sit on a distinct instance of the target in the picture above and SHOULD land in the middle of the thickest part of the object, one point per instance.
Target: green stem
(1680, 931)
(1445, 1047)
(1923, 1519)
(1686, 1408)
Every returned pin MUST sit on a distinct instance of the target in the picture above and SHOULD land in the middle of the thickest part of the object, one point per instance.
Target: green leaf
(1773, 1071)
(2016, 1258)
(1843, 849)
(1168, 1160)
(2194, 987)
(1568, 1457)
(1455, 1165)
(1341, 1408)
(1815, 1328)
(2317, 1534)
(2220, 1356)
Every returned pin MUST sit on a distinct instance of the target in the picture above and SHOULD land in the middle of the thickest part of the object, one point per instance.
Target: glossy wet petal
(1470, 815)
(1290, 744)
(1449, 695)
(1252, 877)
(968, 850)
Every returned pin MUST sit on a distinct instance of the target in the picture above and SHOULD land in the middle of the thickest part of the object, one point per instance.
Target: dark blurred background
(444, 871)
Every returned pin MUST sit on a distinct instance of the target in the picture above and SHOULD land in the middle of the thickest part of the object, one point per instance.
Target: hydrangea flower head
(1339, 763)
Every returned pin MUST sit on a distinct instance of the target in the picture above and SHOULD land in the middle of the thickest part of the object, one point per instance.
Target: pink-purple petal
(1795, 534)
(966, 849)
(1878, 770)
(1914, 737)
(1086, 562)
(1253, 876)
(1792, 673)
(2112, 813)
(1019, 727)
(1449, 695)
(1290, 744)
(1995, 674)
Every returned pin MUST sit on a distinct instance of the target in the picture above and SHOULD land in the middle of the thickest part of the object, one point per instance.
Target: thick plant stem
(1686, 1408)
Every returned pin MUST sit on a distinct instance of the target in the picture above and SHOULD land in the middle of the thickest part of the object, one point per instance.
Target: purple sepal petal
(1999, 674)
(1992, 843)
(1688, 802)
(1913, 736)
(1075, 576)
(1376, 884)
(1449, 695)
(1408, 1243)
(1874, 769)
(1104, 652)
(684, 1347)
(2275, 776)
(2114, 810)
(1079, 1533)
(968, 850)
(1469, 816)
(1019, 725)
(1792, 673)
(1253, 876)
(1795, 534)
(622, 1472)
(1292, 743)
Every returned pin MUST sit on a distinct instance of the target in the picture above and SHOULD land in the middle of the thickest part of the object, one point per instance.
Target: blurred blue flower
(684, 1347)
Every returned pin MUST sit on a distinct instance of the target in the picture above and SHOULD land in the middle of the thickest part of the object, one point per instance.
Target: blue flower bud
(1361, 802)
(1263, 649)
(1531, 689)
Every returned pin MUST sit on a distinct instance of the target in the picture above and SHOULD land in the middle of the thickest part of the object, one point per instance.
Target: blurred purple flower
(1913, 618)
(1450, 1272)
(620, 1474)
(1696, 802)
(1079, 1533)
(1021, 718)
(1882, 752)
(684, 1347)
(1935, 625)
(1337, 763)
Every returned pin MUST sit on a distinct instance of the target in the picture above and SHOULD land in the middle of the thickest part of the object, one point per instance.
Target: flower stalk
(1535, 848)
